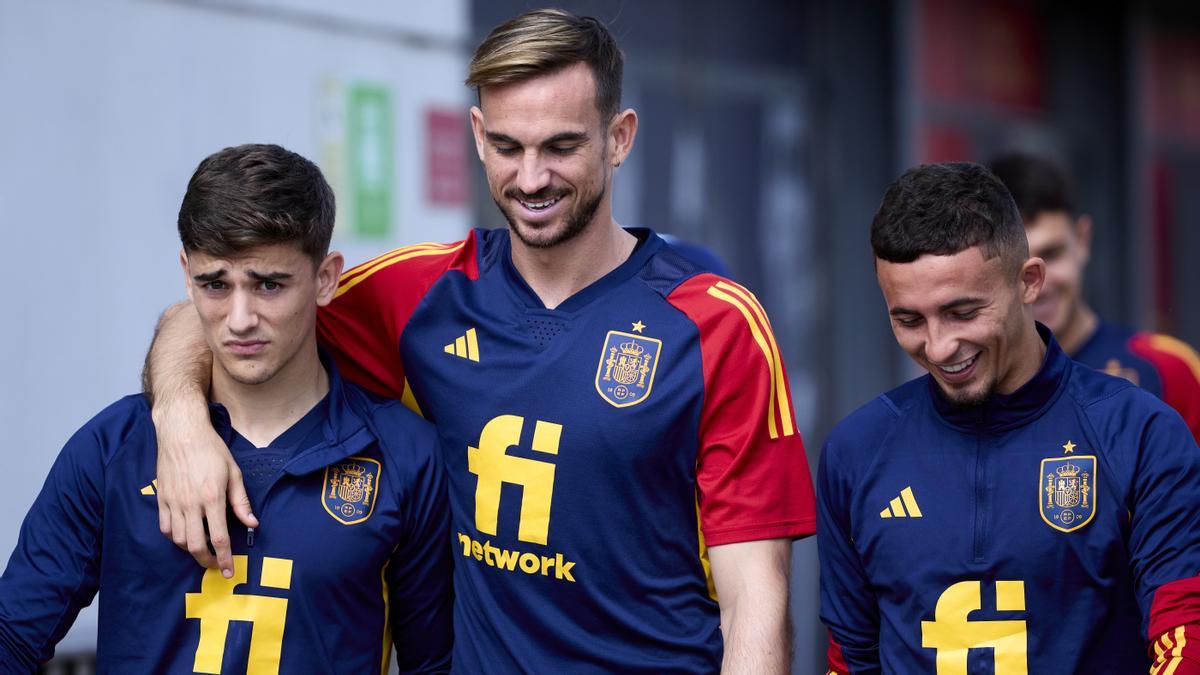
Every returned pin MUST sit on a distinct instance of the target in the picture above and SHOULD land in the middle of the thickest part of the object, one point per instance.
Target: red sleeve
(1179, 368)
(363, 324)
(752, 472)
(834, 659)
(1174, 628)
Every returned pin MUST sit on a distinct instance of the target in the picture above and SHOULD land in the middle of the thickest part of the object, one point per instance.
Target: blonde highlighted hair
(546, 40)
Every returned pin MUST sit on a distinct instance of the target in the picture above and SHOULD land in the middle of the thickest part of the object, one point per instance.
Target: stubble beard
(970, 398)
(576, 222)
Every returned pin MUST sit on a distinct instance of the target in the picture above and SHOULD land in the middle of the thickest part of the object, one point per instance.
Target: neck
(1027, 359)
(261, 412)
(1078, 329)
(561, 271)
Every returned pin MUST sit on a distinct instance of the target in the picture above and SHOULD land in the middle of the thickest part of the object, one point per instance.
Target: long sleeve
(848, 605)
(420, 573)
(54, 571)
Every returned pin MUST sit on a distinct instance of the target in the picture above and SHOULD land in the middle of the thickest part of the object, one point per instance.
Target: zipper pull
(250, 536)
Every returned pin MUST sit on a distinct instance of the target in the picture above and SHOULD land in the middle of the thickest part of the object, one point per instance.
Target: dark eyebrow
(209, 276)
(564, 137)
(960, 302)
(272, 276)
(500, 138)
(953, 304)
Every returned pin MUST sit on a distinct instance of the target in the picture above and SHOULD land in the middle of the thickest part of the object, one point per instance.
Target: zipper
(981, 505)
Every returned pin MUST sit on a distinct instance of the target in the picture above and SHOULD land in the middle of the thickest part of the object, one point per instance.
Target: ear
(478, 130)
(621, 132)
(1032, 276)
(187, 276)
(1083, 232)
(328, 273)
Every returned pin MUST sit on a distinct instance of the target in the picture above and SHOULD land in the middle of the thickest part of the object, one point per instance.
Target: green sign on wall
(369, 154)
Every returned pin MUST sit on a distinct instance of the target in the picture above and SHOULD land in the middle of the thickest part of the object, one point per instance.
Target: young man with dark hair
(1012, 511)
(1061, 236)
(352, 558)
(617, 425)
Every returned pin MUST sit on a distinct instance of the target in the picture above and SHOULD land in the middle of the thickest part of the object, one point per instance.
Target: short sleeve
(752, 471)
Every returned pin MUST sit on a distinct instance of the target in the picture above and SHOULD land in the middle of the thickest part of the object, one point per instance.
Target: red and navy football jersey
(1051, 530)
(593, 451)
(1161, 364)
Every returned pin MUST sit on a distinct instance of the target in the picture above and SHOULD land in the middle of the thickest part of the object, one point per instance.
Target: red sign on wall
(445, 157)
(981, 52)
(1172, 80)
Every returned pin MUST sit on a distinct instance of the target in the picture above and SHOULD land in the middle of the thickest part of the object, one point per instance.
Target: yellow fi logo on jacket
(216, 605)
(953, 635)
(495, 467)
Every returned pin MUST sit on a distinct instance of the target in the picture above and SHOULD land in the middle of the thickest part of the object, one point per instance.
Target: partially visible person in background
(354, 560)
(699, 254)
(1062, 236)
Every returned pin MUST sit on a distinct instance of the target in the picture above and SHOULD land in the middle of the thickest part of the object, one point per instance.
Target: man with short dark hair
(1012, 511)
(352, 559)
(1062, 236)
(616, 423)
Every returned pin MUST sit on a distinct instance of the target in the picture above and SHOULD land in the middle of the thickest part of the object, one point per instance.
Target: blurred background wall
(769, 131)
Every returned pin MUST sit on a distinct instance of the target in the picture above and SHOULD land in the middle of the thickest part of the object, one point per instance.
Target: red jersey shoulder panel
(1178, 366)
(373, 303)
(752, 472)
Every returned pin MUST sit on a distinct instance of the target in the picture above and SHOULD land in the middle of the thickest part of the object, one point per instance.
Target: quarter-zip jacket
(352, 552)
(1039, 532)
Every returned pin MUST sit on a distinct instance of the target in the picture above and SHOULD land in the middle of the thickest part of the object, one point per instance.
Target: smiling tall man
(1012, 511)
(626, 476)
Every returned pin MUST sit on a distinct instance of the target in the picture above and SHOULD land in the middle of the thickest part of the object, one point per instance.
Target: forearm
(752, 589)
(757, 635)
(178, 366)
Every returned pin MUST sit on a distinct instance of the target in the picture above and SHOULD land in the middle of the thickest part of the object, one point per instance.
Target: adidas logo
(151, 489)
(466, 346)
(904, 506)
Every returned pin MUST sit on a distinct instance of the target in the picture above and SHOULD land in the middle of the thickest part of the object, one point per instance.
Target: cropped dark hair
(546, 40)
(944, 209)
(256, 195)
(1037, 184)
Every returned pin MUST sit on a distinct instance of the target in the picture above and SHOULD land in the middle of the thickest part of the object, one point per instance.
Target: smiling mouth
(959, 367)
(539, 205)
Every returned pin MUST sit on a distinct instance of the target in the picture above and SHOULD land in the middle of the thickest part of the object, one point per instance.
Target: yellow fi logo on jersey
(493, 465)
(953, 634)
(216, 605)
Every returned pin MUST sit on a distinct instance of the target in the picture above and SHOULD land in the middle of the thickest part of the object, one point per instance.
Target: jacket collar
(344, 428)
(1005, 411)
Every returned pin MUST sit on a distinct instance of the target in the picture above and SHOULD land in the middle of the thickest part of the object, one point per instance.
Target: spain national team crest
(1067, 496)
(350, 489)
(625, 373)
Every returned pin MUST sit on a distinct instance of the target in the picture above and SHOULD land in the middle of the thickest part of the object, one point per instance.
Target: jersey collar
(344, 430)
(648, 244)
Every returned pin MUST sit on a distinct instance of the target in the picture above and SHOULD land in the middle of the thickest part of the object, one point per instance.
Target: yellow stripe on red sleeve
(751, 470)
(1176, 652)
(1178, 367)
(363, 325)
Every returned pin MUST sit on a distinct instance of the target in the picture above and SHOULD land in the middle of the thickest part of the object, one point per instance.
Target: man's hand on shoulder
(196, 473)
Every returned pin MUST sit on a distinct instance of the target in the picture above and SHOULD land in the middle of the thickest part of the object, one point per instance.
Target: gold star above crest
(1069, 447)
(638, 326)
